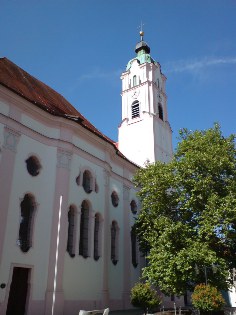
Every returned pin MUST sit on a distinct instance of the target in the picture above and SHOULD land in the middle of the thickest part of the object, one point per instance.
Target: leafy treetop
(188, 216)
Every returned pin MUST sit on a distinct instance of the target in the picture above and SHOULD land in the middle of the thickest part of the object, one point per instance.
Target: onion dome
(142, 46)
(143, 53)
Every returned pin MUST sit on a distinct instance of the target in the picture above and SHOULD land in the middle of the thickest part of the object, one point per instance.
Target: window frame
(71, 234)
(133, 206)
(26, 226)
(115, 199)
(84, 229)
(87, 181)
(134, 248)
(97, 237)
(114, 242)
(33, 165)
(160, 111)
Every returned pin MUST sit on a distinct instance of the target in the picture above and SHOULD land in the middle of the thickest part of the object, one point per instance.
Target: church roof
(41, 95)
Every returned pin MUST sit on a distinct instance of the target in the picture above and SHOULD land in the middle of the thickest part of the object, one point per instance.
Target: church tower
(145, 134)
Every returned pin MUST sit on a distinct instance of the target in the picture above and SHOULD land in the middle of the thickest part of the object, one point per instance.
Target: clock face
(135, 94)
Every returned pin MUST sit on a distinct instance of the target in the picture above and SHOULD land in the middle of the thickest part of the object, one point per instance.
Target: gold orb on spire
(141, 33)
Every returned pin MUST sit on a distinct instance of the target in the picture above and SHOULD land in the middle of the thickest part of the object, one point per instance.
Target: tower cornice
(149, 82)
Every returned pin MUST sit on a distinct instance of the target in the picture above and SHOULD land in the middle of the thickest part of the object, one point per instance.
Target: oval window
(114, 199)
(33, 165)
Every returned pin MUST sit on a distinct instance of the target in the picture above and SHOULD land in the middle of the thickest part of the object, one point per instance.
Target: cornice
(149, 82)
(68, 146)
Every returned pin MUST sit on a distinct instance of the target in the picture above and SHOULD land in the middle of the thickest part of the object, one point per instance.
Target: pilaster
(61, 189)
(106, 241)
(127, 249)
(7, 163)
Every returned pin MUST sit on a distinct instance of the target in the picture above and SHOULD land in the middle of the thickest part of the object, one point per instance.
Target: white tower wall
(144, 133)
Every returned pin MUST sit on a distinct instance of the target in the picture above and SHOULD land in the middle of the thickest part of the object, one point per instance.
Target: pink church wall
(106, 165)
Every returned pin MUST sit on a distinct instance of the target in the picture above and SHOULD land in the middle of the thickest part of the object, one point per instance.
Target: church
(68, 202)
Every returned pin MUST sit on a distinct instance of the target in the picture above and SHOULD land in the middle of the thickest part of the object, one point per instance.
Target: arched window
(87, 181)
(134, 248)
(133, 206)
(96, 187)
(114, 242)
(134, 80)
(114, 199)
(160, 111)
(27, 216)
(33, 165)
(84, 230)
(135, 109)
(77, 179)
(71, 231)
(96, 253)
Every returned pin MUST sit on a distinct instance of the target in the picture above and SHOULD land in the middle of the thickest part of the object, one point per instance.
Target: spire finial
(141, 46)
(141, 32)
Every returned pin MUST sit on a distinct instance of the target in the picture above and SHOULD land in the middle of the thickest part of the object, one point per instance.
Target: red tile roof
(35, 91)
(39, 94)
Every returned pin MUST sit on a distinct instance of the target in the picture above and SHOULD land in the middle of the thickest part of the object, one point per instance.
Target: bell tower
(145, 134)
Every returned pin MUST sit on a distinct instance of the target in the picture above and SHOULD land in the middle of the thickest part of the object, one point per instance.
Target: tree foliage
(144, 296)
(207, 298)
(188, 216)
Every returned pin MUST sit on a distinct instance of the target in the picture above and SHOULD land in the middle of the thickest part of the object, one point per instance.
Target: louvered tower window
(135, 109)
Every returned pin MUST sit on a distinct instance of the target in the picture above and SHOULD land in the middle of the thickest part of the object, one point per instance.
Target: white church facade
(68, 202)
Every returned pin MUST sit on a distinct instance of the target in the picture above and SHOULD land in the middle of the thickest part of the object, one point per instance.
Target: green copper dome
(143, 54)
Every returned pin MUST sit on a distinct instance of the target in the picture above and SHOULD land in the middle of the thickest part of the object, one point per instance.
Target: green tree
(188, 216)
(144, 296)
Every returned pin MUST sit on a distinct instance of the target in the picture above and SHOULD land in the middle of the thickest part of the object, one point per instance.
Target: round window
(114, 199)
(33, 165)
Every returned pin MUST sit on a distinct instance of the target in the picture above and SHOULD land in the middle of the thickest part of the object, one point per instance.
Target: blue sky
(80, 48)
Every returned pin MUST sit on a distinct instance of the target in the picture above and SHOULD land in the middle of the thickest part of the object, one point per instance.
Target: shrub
(143, 296)
(207, 298)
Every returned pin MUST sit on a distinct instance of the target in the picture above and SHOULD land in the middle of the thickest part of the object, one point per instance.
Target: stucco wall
(42, 188)
(83, 280)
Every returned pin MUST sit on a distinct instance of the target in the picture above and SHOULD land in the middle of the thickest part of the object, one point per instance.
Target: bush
(207, 298)
(143, 296)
